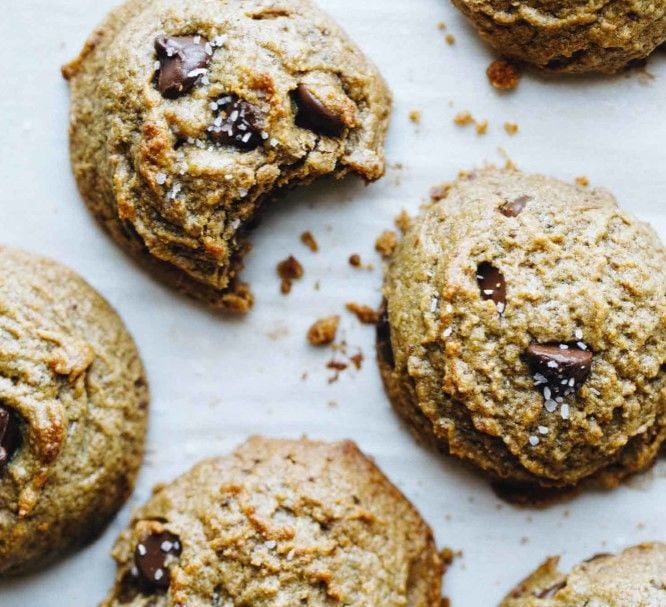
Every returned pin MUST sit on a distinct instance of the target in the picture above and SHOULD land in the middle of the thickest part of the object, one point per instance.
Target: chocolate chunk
(558, 369)
(237, 123)
(314, 115)
(183, 60)
(515, 207)
(492, 285)
(384, 346)
(151, 558)
(10, 435)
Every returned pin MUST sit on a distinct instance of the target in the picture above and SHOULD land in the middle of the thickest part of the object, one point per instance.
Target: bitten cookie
(188, 115)
(634, 578)
(73, 408)
(276, 524)
(525, 331)
(570, 36)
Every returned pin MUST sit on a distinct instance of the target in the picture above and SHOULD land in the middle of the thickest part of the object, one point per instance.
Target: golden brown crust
(634, 578)
(148, 167)
(72, 374)
(572, 36)
(289, 523)
(455, 367)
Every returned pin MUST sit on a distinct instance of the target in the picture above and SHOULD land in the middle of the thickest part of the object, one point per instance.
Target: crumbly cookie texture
(278, 523)
(571, 36)
(187, 116)
(73, 408)
(634, 578)
(525, 331)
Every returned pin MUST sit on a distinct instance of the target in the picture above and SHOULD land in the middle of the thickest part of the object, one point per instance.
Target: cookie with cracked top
(188, 116)
(73, 411)
(531, 343)
(571, 36)
(278, 522)
(633, 578)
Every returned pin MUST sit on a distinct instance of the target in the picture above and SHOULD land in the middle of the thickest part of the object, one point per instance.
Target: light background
(215, 381)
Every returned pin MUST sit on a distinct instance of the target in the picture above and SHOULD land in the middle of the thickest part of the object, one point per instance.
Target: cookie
(634, 578)
(188, 115)
(73, 407)
(581, 36)
(278, 523)
(525, 331)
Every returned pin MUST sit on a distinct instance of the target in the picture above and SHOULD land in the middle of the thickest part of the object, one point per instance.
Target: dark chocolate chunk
(558, 369)
(384, 346)
(237, 123)
(314, 115)
(152, 555)
(492, 285)
(183, 60)
(514, 208)
(10, 435)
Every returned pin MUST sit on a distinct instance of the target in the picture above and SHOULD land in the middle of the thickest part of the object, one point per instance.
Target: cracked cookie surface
(276, 524)
(525, 331)
(73, 408)
(634, 578)
(187, 116)
(572, 36)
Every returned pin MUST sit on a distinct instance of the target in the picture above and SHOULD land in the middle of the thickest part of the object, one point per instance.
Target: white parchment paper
(215, 381)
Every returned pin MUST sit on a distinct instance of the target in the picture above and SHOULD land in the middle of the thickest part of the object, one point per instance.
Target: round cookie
(278, 523)
(188, 115)
(525, 331)
(634, 578)
(570, 36)
(73, 407)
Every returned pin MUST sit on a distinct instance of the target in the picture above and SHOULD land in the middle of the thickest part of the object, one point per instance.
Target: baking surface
(216, 380)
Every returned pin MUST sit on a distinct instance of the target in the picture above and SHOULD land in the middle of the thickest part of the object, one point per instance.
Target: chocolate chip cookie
(187, 116)
(525, 331)
(634, 578)
(278, 523)
(570, 36)
(73, 407)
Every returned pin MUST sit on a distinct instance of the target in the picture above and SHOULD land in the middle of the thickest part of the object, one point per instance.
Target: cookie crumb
(503, 75)
(289, 270)
(365, 314)
(582, 181)
(323, 331)
(415, 116)
(309, 241)
(511, 128)
(441, 26)
(357, 360)
(386, 243)
(403, 221)
(450, 39)
(463, 119)
(355, 260)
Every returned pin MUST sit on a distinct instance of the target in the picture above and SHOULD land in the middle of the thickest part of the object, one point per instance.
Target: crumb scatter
(503, 75)
(366, 314)
(323, 331)
(309, 241)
